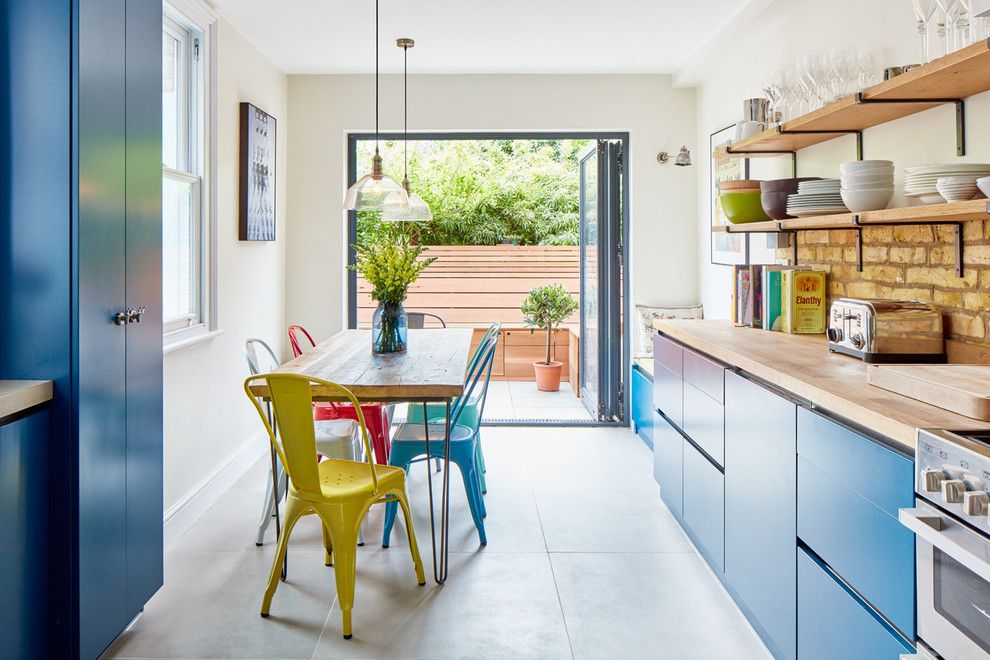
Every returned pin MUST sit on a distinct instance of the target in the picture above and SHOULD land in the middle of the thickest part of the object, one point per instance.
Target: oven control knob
(932, 480)
(952, 490)
(975, 502)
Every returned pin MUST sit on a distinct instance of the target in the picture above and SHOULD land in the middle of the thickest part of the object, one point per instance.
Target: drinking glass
(947, 24)
(870, 62)
(964, 24)
(924, 12)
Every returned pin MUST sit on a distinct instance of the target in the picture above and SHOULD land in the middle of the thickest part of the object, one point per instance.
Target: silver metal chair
(335, 438)
(417, 320)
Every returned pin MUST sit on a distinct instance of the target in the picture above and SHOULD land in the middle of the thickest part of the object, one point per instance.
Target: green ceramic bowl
(743, 207)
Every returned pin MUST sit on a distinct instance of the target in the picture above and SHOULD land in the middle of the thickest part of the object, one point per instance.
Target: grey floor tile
(607, 521)
(493, 606)
(209, 608)
(587, 494)
(649, 606)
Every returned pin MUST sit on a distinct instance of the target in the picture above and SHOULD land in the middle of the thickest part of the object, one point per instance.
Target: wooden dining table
(432, 369)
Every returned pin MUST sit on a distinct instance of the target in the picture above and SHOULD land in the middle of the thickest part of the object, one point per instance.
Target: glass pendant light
(370, 191)
(405, 206)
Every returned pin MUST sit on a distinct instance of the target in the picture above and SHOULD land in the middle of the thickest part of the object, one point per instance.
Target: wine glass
(870, 63)
(963, 23)
(946, 25)
(924, 12)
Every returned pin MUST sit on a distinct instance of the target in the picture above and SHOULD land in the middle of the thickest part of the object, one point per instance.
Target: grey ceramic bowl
(775, 204)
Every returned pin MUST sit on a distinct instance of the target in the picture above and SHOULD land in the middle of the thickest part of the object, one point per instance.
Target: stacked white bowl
(867, 185)
(957, 188)
(921, 182)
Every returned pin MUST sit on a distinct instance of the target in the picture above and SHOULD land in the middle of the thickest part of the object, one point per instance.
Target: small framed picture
(257, 176)
(727, 249)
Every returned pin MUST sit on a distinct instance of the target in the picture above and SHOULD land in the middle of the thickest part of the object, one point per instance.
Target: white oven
(952, 541)
(953, 572)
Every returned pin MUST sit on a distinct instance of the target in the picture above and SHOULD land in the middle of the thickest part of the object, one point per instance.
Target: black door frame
(621, 136)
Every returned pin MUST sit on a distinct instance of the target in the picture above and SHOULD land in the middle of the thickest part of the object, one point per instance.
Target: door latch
(121, 318)
(134, 314)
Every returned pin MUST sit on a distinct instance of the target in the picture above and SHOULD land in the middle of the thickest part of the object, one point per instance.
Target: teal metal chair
(471, 415)
(409, 441)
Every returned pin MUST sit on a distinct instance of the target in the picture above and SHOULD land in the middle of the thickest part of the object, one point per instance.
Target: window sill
(177, 341)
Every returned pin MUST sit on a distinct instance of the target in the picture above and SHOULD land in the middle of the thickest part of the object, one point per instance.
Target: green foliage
(391, 264)
(485, 192)
(546, 307)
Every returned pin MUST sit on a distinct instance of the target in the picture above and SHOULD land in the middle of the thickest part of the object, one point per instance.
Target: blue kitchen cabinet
(760, 509)
(668, 463)
(24, 502)
(704, 394)
(833, 622)
(704, 506)
(642, 404)
(668, 379)
(849, 490)
(86, 76)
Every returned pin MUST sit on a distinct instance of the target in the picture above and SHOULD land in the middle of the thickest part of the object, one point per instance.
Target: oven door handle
(970, 550)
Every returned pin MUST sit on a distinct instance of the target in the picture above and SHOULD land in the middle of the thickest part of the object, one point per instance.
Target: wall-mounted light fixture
(683, 158)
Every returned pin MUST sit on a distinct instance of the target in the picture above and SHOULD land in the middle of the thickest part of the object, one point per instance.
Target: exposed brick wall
(910, 263)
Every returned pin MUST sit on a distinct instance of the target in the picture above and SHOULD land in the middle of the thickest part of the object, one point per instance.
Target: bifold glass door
(600, 210)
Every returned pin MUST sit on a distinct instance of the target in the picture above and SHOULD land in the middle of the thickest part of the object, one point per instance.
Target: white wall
(324, 108)
(208, 420)
(773, 33)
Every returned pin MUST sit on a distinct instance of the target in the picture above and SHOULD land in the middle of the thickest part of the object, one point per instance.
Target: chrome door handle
(134, 314)
(936, 530)
(121, 318)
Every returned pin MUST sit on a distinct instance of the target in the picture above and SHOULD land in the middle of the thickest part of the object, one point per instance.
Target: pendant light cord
(376, 76)
(405, 115)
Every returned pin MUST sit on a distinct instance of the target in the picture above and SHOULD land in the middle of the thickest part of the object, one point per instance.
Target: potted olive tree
(545, 308)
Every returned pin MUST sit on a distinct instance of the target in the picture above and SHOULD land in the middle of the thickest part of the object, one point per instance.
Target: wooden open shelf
(956, 76)
(977, 209)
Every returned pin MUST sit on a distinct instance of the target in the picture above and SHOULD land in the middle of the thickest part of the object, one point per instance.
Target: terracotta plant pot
(548, 375)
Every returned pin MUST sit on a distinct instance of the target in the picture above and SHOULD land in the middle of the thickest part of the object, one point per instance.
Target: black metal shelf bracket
(960, 114)
(957, 237)
(858, 133)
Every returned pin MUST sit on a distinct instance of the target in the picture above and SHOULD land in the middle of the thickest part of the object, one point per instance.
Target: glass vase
(389, 329)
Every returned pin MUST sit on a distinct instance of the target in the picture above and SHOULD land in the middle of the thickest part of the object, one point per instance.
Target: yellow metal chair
(340, 492)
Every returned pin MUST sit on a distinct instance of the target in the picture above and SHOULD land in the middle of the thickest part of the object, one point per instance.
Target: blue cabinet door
(144, 289)
(704, 506)
(668, 370)
(834, 623)
(642, 405)
(24, 536)
(100, 351)
(760, 509)
(704, 422)
(849, 490)
(668, 463)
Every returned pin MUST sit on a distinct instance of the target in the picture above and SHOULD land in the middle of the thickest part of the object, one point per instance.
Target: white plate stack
(920, 182)
(867, 185)
(820, 197)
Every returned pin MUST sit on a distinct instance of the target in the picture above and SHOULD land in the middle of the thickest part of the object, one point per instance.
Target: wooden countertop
(802, 365)
(19, 395)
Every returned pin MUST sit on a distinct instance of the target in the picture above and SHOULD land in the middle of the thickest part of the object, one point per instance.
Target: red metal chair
(375, 417)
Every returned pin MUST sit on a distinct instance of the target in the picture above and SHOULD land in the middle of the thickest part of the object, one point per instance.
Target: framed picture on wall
(726, 249)
(257, 176)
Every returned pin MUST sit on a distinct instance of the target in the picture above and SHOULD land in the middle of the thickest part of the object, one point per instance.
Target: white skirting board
(184, 513)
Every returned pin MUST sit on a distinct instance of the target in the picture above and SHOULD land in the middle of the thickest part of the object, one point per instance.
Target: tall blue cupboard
(80, 243)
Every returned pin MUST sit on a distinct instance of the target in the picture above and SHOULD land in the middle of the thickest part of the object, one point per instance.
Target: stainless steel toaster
(886, 330)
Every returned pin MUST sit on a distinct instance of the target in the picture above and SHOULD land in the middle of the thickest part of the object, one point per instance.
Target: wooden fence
(477, 285)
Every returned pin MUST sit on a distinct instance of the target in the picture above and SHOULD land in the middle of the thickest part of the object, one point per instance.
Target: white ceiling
(481, 36)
